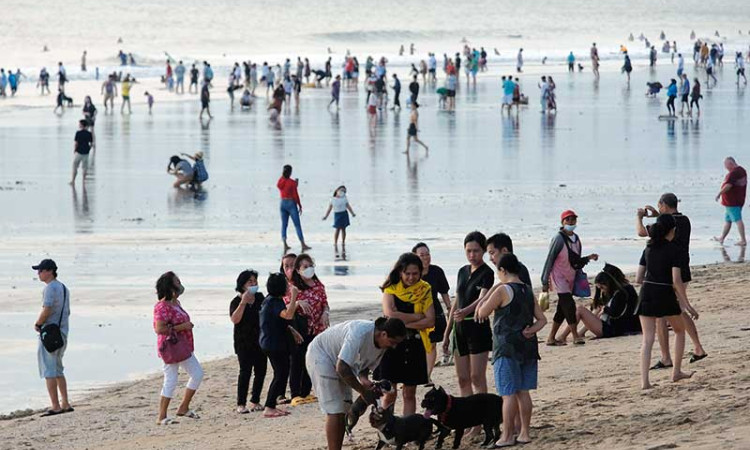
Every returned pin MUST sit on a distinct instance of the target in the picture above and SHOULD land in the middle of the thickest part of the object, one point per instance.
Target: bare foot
(681, 376)
(306, 248)
(719, 240)
(741, 244)
(646, 387)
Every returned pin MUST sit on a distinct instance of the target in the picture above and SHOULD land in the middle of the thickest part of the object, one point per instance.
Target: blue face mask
(569, 228)
(253, 289)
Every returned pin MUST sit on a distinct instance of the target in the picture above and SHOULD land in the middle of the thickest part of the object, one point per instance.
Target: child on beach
(149, 100)
(341, 208)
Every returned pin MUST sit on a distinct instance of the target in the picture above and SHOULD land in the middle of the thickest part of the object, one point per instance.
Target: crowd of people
(495, 317)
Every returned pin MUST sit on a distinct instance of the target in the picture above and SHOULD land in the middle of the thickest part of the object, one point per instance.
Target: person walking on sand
(127, 83)
(671, 96)
(291, 206)
(193, 79)
(515, 355)
(244, 312)
(627, 66)
(396, 92)
(82, 146)
(543, 93)
(662, 294)
(684, 94)
(409, 298)
(175, 347)
(562, 266)
(205, 101)
(341, 208)
(411, 133)
(668, 205)
(339, 361)
(732, 196)
(739, 62)
(595, 59)
(519, 61)
(275, 340)
(179, 73)
(55, 314)
(695, 97)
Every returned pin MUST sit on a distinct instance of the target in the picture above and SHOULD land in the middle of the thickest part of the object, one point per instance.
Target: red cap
(567, 213)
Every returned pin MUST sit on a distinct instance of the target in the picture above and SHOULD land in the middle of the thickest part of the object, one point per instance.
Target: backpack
(201, 174)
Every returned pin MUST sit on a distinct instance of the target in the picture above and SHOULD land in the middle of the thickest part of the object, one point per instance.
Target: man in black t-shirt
(81, 149)
(500, 244)
(668, 205)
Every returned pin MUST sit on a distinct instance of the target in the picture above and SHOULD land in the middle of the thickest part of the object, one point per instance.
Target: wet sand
(588, 397)
(604, 154)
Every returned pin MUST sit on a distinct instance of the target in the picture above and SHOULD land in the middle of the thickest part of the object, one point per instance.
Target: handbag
(51, 335)
(175, 348)
(581, 286)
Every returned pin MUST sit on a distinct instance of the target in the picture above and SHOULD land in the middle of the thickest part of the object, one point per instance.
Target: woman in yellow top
(125, 91)
(409, 298)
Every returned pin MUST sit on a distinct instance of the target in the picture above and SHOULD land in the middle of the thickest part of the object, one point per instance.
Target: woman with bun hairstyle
(662, 294)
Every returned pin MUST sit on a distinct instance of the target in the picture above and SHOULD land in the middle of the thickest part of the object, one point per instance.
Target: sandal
(257, 408)
(242, 410)
(70, 408)
(51, 412)
(660, 365)
(167, 421)
(277, 413)
(696, 358)
(190, 415)
(579, 341)
(282, 401)
(556, 344)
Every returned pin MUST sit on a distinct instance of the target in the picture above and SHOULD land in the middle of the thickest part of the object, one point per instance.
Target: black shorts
(684, 98)
(451, 93)
(412, 130)
(438, 333)
(566, 309)
(472, 338)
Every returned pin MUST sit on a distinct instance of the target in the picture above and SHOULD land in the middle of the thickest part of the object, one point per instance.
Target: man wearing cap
(564, 255)
(668, 205)
(55, 309)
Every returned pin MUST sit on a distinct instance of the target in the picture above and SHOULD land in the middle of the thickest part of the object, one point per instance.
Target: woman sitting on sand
(244, 311)
(175, 346)
(662, 294)
(409, 298)
(616, 315)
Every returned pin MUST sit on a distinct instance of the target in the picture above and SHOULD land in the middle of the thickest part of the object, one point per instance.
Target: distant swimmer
(716, 33)
(544, 60)
(401, 50)
(45, 48)
(641, 37)
(119, 40)
(329, 50)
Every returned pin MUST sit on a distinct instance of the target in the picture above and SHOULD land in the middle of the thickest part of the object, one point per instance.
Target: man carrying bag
(52, 326)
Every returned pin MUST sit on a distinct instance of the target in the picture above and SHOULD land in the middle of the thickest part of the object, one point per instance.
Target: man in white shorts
(340, 359)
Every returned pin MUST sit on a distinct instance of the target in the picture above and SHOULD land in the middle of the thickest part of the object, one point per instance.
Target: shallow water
(604, 154)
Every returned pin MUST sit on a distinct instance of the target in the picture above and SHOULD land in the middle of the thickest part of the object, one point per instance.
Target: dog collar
(444, 414)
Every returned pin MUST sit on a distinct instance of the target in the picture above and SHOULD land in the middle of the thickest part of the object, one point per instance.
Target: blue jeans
(289, 208)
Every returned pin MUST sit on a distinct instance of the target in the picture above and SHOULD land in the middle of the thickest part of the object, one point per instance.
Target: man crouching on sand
(340, 359)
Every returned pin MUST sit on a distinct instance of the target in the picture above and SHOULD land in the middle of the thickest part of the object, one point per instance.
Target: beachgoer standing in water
(55, 311)
(125, 91)
(543, 93)
(171, 321)
(411, 133)
(695, 97)
(671, 96)
(519, 61)
(732, 196)
(109, 90)
(83, 142)
(396, 92)
(595, 59)
(205, 100)
(564, 261)
(662, 294)
(290, 206)
(335, 92)
(341, 209)
(684, 94)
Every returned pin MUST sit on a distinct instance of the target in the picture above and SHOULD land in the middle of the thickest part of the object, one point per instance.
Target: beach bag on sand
(50, 334)
(175, 348)
(581, 286)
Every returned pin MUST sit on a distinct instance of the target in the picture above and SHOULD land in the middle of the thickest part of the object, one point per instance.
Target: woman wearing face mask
(409, 298)
(563, 260)
(662, 295)
(341, 208)
(170, 319)
(244, 311)
(311, 319)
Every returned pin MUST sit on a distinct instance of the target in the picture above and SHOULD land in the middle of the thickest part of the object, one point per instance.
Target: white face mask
(569, 228)
(341, 193)
(253, 289)
(309, 272)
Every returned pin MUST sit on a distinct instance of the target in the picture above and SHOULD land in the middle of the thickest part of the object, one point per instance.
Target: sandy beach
(588, 397)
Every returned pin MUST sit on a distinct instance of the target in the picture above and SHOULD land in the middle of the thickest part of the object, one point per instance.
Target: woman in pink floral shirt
(312, 319)
(169, 319)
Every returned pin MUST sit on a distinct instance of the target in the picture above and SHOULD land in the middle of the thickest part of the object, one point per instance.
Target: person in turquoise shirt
(671, 96)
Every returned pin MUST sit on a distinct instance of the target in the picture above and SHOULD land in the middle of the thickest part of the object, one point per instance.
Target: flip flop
(51, 413)
(257, 408)
(282, 401)
(696, 358)
(167, 421)
(70, 408)
(190, 415)
(660, 365)
(579, 342)
(242, 410)
(275, 414)
(556, 344)
(522, 442)
(506, 444)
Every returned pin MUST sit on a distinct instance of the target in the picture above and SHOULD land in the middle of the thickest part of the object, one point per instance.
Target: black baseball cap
(45, 264)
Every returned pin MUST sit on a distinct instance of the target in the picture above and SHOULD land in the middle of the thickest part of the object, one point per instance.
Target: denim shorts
(512, 376)
(733, 214)
(50, 364)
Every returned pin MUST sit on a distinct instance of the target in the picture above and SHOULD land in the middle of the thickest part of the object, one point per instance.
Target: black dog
(459, 413)
(360, 405)
(399, 431)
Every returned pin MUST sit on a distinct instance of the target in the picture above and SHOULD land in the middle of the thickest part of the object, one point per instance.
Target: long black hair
(286, 171)
(659, 230)
(612, 277)
(404, 261)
